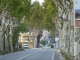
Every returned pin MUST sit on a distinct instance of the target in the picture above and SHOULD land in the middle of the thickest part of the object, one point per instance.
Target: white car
(25, 46)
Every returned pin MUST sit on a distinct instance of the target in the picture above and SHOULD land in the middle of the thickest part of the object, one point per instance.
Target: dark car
(52, 46)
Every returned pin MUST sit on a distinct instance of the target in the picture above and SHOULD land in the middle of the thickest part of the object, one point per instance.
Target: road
(32, 54)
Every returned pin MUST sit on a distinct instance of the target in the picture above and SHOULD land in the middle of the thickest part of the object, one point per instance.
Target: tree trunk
(6, 44)
(11, 45)
(1, 41)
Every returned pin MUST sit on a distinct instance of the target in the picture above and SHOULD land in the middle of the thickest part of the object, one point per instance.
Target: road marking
(26, 55)
(53, 56)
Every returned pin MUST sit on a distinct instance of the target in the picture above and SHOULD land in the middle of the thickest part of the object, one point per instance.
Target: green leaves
(42, 15)
(36, 15)
(43, 42)
(49, 10)
(22, 27)
(16, 8)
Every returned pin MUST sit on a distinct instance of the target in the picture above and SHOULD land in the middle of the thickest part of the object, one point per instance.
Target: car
(25, 46)
(52, 46)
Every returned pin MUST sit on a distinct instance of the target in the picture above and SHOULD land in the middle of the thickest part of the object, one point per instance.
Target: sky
(40, 1)
(77, 4)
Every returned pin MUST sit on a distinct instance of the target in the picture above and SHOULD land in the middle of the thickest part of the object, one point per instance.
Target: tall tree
(16, 32)
(36, 15)
(14, 11)
(50, 10)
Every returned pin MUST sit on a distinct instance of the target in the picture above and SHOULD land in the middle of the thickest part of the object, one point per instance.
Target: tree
(36, 17)
(41, 16)
(36, 20)
(50, 11)
(14, 11)
(16, 32)
(43, 42)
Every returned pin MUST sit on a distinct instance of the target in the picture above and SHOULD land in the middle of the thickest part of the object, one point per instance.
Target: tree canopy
(35, 16)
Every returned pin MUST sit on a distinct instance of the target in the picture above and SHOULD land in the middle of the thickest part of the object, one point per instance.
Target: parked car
(25, 46)
(52, 46)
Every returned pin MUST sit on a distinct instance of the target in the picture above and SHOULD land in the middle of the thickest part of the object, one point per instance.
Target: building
(46, 36)
(26, 38)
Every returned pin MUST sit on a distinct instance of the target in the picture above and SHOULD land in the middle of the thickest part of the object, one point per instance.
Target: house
(26, 38)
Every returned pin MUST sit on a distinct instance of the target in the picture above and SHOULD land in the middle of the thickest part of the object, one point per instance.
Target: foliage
(43, 42)
(22, 27)
(49, 44)
(49, 10)
(42, 15)
(16, 8)
(36, 16)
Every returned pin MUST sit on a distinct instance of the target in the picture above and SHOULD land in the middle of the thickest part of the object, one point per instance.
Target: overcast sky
(77, 4)
(40, 1)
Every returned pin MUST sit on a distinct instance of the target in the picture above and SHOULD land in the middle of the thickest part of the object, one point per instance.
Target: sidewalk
(60, 56)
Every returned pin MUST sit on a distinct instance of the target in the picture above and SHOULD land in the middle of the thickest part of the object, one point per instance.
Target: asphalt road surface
(32, 54)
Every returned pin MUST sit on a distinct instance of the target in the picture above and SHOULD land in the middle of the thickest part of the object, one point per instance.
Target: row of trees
(67, 31)
(14, 12)
(11, 13)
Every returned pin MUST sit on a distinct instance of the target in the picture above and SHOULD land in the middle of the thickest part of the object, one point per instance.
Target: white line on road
(26, 55)
(53, 56)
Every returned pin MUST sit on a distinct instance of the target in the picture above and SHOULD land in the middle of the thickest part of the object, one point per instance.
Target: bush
(49, 44)
(43, 42)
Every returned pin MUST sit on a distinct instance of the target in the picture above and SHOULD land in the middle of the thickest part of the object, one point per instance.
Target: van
(25, 46)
